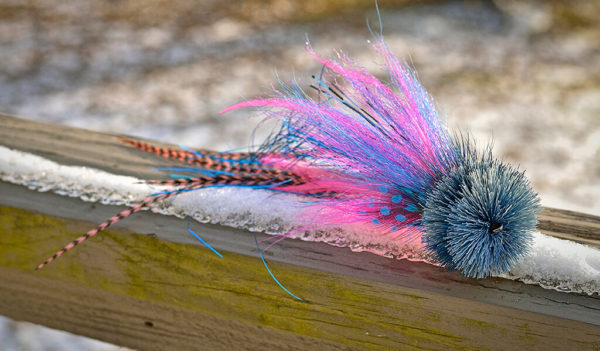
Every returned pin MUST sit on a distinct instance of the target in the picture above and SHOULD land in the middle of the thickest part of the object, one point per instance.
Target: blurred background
(525, 73)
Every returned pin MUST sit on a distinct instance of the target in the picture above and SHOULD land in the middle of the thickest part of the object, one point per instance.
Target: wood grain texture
(137, 291)
(112, 285)
(137, 323)
(575, 226)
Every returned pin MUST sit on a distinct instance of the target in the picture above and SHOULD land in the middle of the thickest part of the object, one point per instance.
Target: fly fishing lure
(377, 156)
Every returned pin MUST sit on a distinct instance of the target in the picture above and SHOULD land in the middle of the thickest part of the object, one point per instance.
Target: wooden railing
(147, 284)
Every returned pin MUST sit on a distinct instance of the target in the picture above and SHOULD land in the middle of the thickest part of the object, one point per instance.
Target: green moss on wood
(340, 309)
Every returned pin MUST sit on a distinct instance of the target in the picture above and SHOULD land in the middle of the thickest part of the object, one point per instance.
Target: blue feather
(480, 217)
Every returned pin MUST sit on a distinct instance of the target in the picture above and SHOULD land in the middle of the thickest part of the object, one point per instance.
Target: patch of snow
(552, 263)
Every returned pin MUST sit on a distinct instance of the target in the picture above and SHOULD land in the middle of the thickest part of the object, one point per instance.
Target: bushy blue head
(478, 218)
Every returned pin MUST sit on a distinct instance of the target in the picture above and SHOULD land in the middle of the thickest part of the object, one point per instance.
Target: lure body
(375, 155)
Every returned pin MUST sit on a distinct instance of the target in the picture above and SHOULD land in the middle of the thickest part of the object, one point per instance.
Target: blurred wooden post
(146, 284)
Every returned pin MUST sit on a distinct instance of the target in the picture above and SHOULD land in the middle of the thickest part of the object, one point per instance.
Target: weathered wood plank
(141, 292)
(575, 226)
(356, 300)
(137, 323)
